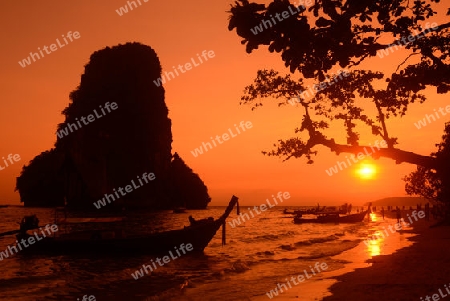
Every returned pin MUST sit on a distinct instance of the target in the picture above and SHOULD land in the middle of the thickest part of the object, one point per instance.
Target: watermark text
(10, 158)
(166, 259)
(86, 120)
(312, 90)
(111, 198)
(35, 55)
(416, 215)
(281, 288)
(224, 136)
(342, 164)
(406, 40)
(11, 250)
(168, 75)
(299, 7)
(237, 221)
(423, 122)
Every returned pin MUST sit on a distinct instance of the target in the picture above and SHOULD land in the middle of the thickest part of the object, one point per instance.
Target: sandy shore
(409, 274)
(407, 264)
(417, 265)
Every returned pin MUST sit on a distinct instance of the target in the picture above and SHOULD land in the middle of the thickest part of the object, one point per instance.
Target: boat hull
(352, 218)
(198, 234)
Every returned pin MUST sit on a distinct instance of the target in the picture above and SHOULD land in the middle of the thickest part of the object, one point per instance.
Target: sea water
(259, 254)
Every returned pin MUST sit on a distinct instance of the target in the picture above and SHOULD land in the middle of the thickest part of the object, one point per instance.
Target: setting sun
(366, 171)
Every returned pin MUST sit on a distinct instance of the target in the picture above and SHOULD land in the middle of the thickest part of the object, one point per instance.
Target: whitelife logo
(423, 122)
(124, 9)
(237, 221)
(86, 298)
(435, 297)
(300, 7)
(90, 118)
(159, 81)
(397, 227)
(284, 287)
(33, 55)
(31, 240)
(360, 155)
(403, 41)
(10, 157)
(110, 197)
(312, 90)
(225, 137)
(166, 259)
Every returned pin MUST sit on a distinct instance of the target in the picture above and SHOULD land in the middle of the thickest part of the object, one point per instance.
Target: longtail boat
(179, 210)
(332, 218)
(199, 233)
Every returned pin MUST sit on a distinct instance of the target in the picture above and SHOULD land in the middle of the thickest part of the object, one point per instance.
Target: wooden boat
(198, 233)
(304, 211)
(332, 212)
(179, 210)
(332, 218)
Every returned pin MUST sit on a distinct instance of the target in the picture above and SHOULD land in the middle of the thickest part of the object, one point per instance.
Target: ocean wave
(270, 236)
(288, 247)
(318, 240)
(332, 250)
(265, 253)
(238, 266)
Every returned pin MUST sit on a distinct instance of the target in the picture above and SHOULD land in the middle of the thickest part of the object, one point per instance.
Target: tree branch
(400, 156)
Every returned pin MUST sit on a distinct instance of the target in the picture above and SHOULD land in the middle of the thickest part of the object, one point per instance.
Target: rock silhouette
(118, 145)
(41, 182)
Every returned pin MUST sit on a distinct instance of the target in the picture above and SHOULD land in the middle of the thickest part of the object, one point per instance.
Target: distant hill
(399, 201)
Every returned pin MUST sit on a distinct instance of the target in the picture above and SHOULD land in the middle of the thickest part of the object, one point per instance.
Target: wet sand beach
(406, 265)
(409, 274)
(360, 257)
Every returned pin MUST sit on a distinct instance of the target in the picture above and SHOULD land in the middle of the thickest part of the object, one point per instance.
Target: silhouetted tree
(313, 41)
(433, 184)
(41, 182)
(186, 187)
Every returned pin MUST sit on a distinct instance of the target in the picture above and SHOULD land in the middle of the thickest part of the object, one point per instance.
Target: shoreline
(377, 271)
(407, 274)
(360, 257)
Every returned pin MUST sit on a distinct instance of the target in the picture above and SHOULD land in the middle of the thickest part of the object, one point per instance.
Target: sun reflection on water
(374, 247)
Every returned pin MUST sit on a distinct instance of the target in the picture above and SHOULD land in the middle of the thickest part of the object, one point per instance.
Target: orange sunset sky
(203, 102)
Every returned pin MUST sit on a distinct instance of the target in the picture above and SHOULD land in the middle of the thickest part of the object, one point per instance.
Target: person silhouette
(399, 215)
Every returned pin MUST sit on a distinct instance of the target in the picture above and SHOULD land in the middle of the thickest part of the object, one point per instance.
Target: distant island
(399, 201)
(116, 129)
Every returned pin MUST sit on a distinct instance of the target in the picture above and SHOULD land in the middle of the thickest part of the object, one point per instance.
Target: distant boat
(179, 210)
(332, 218)
(317, 210)
(198, 233)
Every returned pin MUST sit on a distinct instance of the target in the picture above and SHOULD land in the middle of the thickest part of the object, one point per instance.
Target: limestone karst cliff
(116, 129)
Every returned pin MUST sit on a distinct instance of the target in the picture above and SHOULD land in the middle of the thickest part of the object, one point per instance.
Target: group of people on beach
(398, 211)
